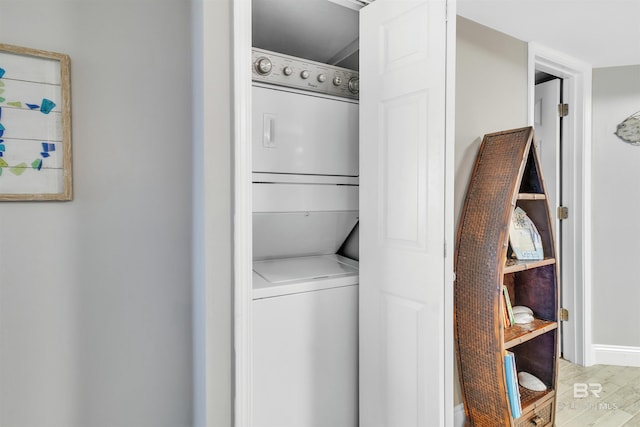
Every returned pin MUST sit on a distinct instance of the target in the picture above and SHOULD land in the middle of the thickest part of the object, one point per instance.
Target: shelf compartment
(537, 356)
(538, 212)
(515, 265)
(518, 334)
(531, 179)
(534, 288)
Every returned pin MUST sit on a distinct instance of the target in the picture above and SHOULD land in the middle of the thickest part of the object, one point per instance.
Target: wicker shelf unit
(506, 175)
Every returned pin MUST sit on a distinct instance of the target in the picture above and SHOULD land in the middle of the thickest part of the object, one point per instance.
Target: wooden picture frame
(35, 125)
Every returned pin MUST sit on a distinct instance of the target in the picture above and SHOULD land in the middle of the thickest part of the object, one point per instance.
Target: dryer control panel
(284, 70)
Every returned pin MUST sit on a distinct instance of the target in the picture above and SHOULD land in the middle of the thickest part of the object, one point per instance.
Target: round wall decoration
(629, 129)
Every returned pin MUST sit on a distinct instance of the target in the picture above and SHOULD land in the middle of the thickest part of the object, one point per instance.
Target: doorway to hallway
(569, 167)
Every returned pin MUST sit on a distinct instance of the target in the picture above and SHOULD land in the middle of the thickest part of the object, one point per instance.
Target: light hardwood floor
(616, 404)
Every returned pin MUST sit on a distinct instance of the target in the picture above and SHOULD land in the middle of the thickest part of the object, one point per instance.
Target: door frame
(449, 215)
(242, 208)
(576, 182)
(242, 224)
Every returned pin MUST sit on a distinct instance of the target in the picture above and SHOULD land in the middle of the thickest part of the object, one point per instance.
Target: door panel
(404, 190)
(402, 202)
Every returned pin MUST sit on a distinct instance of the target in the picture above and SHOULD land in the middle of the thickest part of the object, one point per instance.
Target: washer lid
(302, 268)
(298, 234)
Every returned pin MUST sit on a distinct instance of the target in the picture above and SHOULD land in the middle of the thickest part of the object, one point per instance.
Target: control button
(305, 74)
(322, 78)
(354, 85)
(287, 71)
(337, 81)
(263, 65)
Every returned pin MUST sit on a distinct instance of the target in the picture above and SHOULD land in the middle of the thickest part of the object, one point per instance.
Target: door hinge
(564, 314)
(562, 212)
(563, 110)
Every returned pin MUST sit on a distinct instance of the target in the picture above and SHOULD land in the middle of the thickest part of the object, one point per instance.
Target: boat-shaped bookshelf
(506, 176)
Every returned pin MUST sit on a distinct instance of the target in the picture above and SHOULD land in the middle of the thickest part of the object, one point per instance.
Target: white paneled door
(549, 128)
(403, 316)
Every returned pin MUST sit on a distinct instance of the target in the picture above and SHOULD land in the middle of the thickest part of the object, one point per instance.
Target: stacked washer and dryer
(305, 215)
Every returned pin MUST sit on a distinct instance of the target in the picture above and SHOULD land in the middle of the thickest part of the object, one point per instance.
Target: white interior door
(402, 222)
(548, 127)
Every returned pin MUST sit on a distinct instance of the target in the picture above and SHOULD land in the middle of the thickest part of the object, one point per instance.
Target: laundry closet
(343, 290)
(305, 186)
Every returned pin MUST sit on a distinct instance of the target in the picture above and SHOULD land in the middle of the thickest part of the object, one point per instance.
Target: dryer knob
(337, 81)
(322, 78)
(287, 71)
(354, 85)
(305, 74)
(263, 65)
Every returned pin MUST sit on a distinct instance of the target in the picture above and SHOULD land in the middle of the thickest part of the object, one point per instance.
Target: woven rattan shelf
(506, 175)
(512, 265)
(517, 334)
(531, 196)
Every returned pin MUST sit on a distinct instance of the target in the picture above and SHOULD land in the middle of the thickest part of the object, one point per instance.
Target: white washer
(305, 339)
(305, 363)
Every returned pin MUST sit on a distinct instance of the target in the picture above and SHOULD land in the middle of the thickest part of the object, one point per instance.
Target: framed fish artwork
(629, 129)
(35, 125)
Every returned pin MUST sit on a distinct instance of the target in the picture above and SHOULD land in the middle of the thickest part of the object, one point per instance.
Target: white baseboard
(458, 416)
(616, 355)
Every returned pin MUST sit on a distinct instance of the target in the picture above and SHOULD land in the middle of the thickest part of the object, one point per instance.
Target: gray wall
(95, 294)
(616, 202)
(491, 95)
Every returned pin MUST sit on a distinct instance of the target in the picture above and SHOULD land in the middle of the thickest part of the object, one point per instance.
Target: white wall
(491, 95)
(616, 203)
(95, 294)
